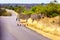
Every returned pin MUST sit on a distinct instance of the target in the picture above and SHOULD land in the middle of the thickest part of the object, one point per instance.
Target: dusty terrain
(50, 25)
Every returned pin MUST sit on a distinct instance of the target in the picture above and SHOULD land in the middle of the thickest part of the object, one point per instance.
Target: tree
(51, 10)
(10, 7)
(55, 1)
(19, 9)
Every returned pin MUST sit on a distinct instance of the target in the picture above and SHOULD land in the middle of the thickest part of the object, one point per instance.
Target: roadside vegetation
(44, 17)
(46, 10)
(3, 12)
(39, 12)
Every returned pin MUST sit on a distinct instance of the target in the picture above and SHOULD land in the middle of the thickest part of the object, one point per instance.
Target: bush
(4, 13)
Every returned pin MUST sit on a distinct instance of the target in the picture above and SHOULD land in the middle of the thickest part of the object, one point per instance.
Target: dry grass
(47, 25)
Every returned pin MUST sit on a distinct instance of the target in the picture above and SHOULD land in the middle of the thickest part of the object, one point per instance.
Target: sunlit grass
(41, 26)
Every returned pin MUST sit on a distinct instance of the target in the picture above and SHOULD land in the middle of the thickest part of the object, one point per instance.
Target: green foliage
(50, 10)
(10, 7)
(27, 12)
(19, 9)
